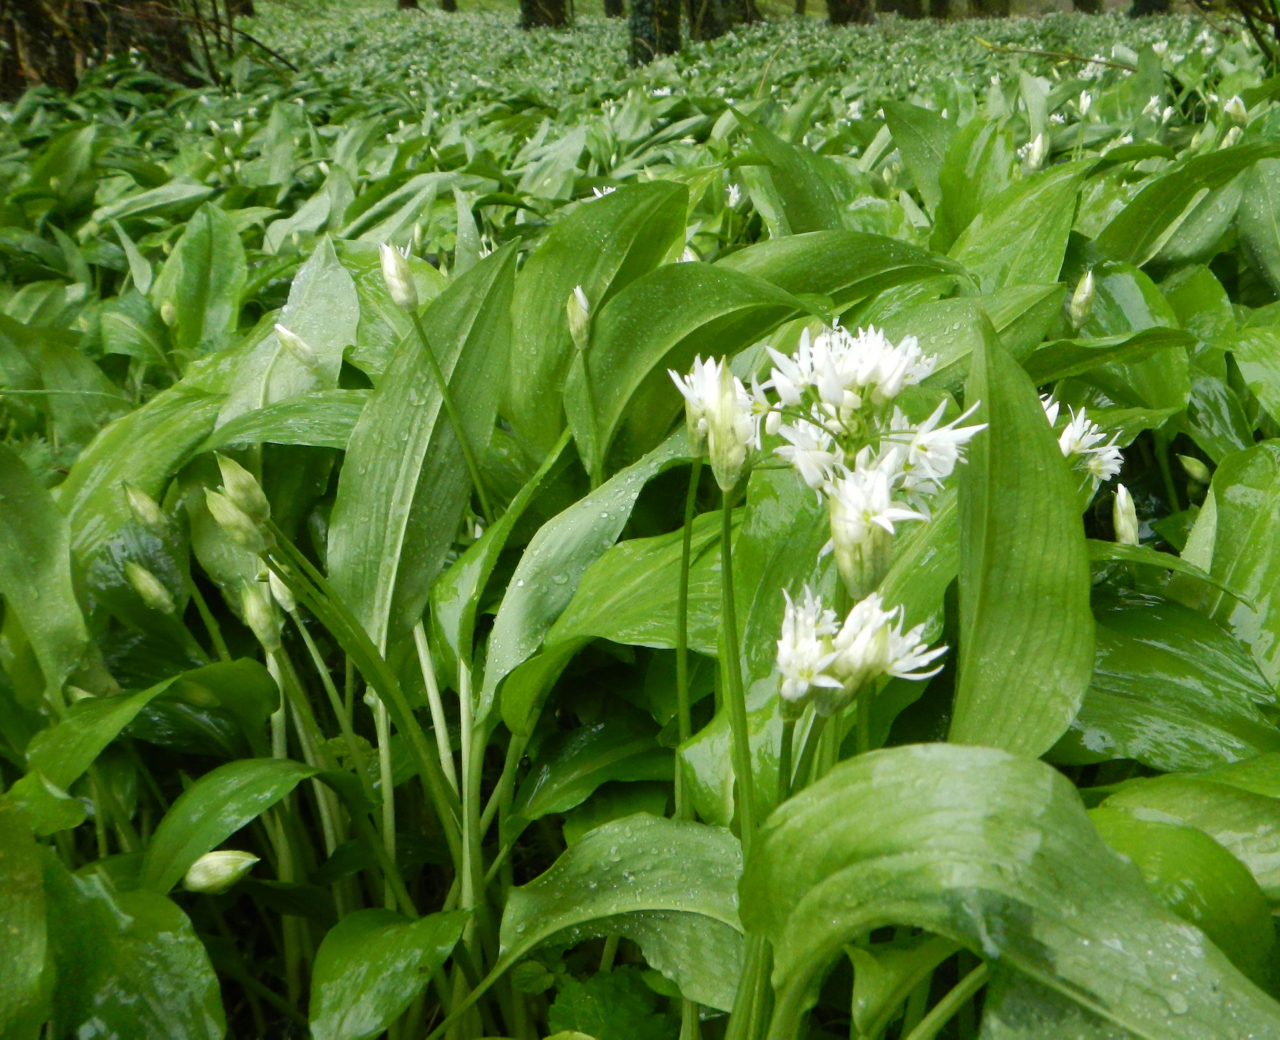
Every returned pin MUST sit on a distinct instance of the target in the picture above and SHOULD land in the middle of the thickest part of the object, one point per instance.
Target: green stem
(863, 707)
(597, 463)
(386, 777)
(436, 704)
(947, 1007)
(610, 953)
(210, 624)
(454, 418)
(784, 760)
(805, 765)
(735, 698)
(1166, 472)
(684, 811)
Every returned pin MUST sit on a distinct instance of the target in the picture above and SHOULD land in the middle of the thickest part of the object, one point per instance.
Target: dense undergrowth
(392, 593)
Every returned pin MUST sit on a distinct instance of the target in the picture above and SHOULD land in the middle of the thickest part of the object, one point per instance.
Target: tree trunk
(744, 12)
(644, 31)
(408, 5)
(913, 9)
(666, 16)
(800, 8)
(1145, 7)
(543, 14)
(850, 12)
(241, 8)
(990, 8)
(707, 19)
(940, 9)
(52, 42)
(451, 6)
(614, 9)
(1087, 6)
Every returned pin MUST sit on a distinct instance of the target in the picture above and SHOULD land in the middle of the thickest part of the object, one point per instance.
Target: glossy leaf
(1026, 634)
(1257, 220)
(25, 982)
(322, 419)
(922, 136)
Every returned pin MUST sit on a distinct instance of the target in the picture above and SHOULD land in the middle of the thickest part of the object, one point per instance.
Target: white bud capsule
(1232, 137)
(399, 279)
(260, 615)
(578, 309)
(1236, 110)
(1195, 469)
(243, 489)
(1124, 517)
(145, 510)
(280, 591)
(215, 872)
(688, 256)
(298, 348)
(1082, 301)
(148, 586)
(168, 312)
(1036, 153)
(239, 528)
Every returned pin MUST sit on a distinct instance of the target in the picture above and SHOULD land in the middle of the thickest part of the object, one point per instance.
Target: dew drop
(520, 583)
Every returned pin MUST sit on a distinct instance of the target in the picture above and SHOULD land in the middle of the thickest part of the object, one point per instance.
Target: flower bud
(298, 348)
(1231, 138)
(168, 312)
(243, 490)
(148, 586)
(1036, 153)
(688, 256)
(281, 593)
(215, 872)
(1236, 110)
(579, 311)
(260, 615)
(1082, 301)
(145, 510)
(1124, 517)
(239, 528)
(399, 279)
(1195, 469)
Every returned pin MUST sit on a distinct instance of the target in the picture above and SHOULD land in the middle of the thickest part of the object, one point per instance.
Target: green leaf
(1258, 218)
(1257, 353)
(603, 245)
(127, 963)
(131, 326)
(1018, 875)
(1063, 358)
(1139, 230)
(1107, 552)
(609, 1005)
(1193, 876)
(669, 886)
(1170, 689)
(370, 967)
(1026, 634)
(976, 168)
(404, 485)
(885, 975)
(800, 178)
(1020, 236)
(35, 572)
(202, 280)
(323, 419)
(24, 996)
(659, 322)
(211, 810)
(922, 136)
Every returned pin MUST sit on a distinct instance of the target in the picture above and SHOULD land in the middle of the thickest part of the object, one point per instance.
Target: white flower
(398, 277)
(718, 408)
(1125, 517)
(933, 451)
(734, 194)
(1036, 152)
(688, 256)
(1161, 48)
(805, 651)
(862, 514)
(811, 450)
(600, 193)
(1152, 106)
(792, 376)
(1050, 407)
(1080, 435)
(1085, 102)
(1103, 463)
(871, 643)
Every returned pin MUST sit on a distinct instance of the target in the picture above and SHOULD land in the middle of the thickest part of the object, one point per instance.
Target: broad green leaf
(170, 200)
(554, 562)
(47, 807)
(211, 810)
(1259, 220)
(371, 965)
(322, 419)
(1064, 358)
(922, 136)
(995, 852)
(1243, 822)
(127, 963)
(404, 485)
(669, 886)
(1020, 236)
(613, 801)
(1105, 552)
(842, 265)
(1170, 689)
(1140, 230)
(885, 974)
(976, 168)
(1026, 634)
(602, 245)
(24, 985)
(202, 281)
(144, 448)
(660, 322)
(1257, 353)
(1193, 876)
(132, 326)
(35, 572)
(803, 183)
(926, 560)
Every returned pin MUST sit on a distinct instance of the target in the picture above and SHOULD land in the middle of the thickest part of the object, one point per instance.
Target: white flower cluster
(848, 441)
(1081, 441)
(721, 416)
(826, 662)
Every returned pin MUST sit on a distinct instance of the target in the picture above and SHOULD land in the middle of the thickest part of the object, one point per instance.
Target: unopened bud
(688, 256)
(399, 279)
(1195, 469)
(168, 312)
(215, 872)
(1082, 301)
(148, 586)
(1036, 153)
(280, 591)
(579, 310)
(145, 510)
(239, 528)
(298, 348)
(260, 615)
(243, 489)
(1124, 517)
(1231, 138)
(1236, 110)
